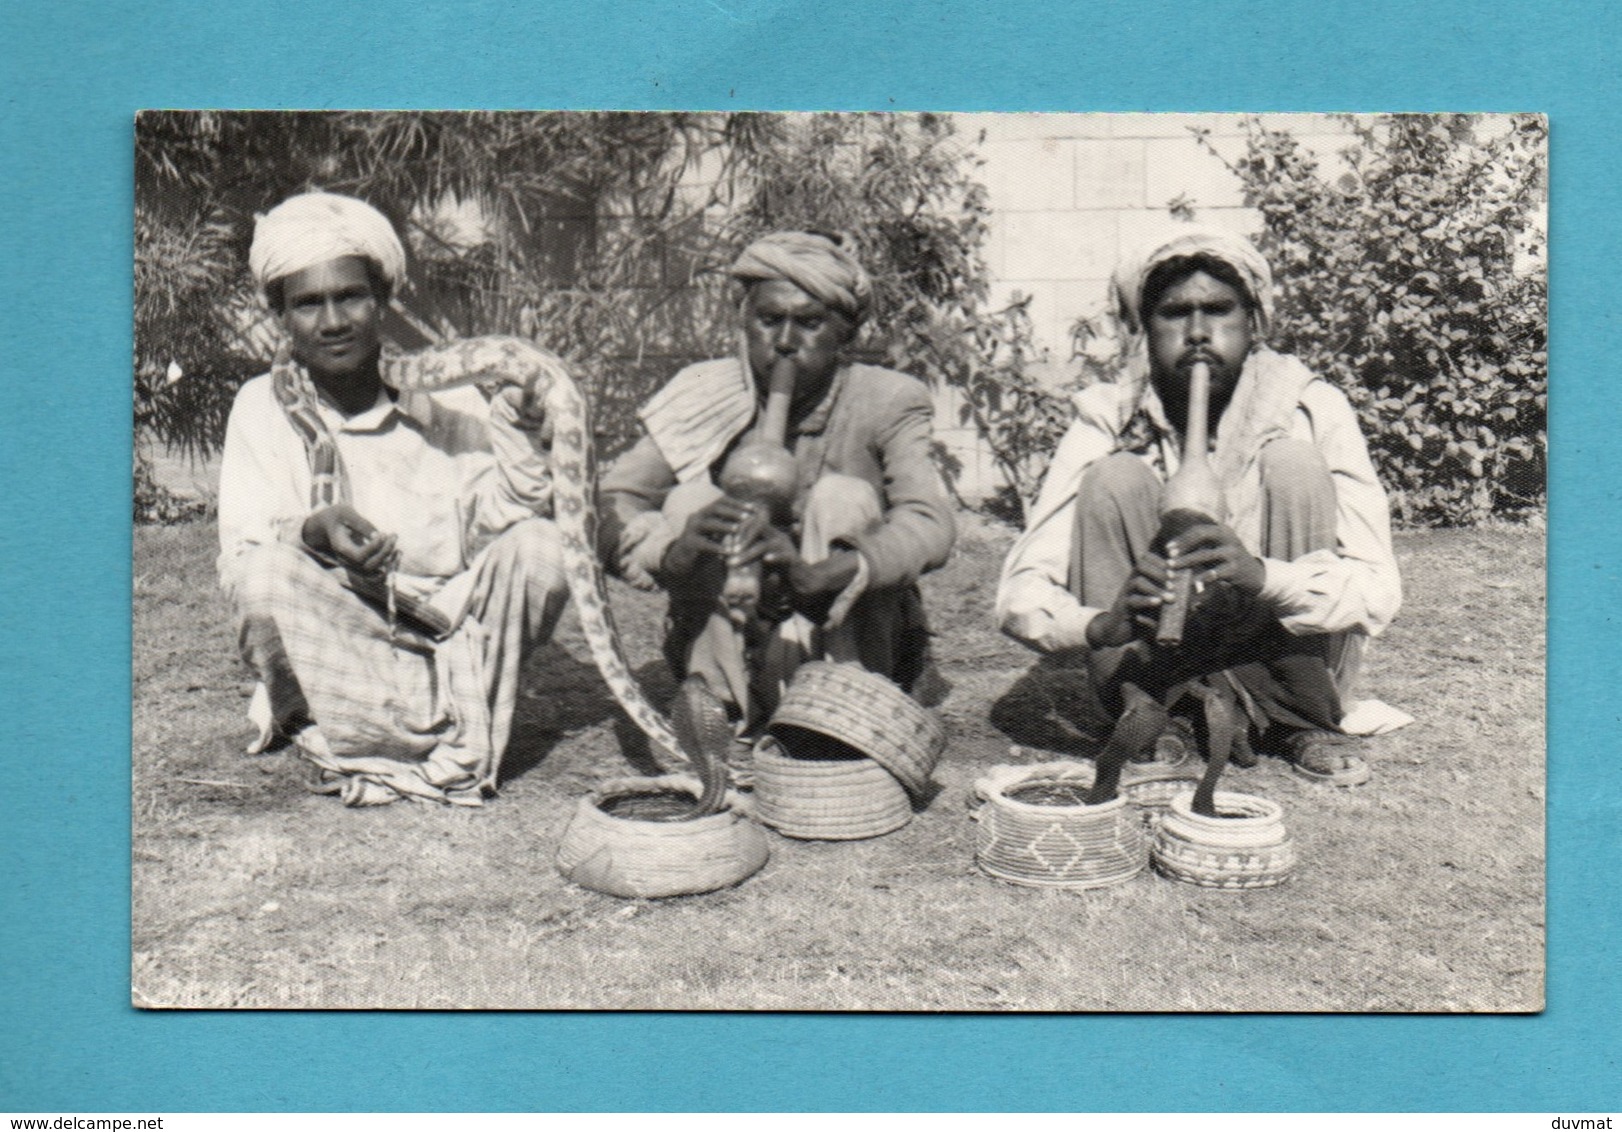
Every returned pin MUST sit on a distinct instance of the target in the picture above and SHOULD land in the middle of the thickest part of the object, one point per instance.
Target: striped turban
(818, 265)
(314, 228)
(1179, 240)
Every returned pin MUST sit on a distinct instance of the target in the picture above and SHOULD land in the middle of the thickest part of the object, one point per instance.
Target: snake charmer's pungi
(1300, 565)
(334, 483)
(871, 513)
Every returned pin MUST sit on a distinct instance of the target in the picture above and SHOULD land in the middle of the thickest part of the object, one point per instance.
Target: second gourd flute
(1193, 496)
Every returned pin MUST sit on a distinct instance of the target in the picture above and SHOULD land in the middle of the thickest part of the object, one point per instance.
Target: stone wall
(1068, 191)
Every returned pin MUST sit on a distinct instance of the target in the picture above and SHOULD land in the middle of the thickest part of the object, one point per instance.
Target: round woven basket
(867, 713)
(826, 798)
(1152, 796)
(1246, 847)
(1064, 845)
(1150, 787)
(633, 857)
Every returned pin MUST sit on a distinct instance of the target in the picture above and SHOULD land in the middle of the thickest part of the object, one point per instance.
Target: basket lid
(868, 713)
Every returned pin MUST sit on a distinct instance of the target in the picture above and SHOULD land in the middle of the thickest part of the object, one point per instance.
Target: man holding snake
(385, 552)
(870, 513)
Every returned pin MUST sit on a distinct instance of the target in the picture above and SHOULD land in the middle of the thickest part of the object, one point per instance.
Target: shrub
(1415, 280)
(604, 236)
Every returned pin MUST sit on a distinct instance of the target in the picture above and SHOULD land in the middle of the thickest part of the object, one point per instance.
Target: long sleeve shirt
(1354, 587)
(444, 472)
(873, 423)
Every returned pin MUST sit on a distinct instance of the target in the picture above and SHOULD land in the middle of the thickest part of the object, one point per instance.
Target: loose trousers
(400, 714)
(1291, 681)
(748, 666)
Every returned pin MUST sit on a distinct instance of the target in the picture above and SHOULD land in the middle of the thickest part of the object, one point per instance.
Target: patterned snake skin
(517, 362)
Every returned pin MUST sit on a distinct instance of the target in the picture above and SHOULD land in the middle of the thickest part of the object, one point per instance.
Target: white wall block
(1059, 245)
(1030, 175)
(1137, 227)
(1109, 174)
(1174, 125)
(1177, 167)
(1025, 127)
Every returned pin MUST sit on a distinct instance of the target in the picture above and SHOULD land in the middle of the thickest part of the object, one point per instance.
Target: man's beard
(1173, 388)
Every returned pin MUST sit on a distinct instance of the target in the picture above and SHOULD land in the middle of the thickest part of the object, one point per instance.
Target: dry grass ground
(1422, 891)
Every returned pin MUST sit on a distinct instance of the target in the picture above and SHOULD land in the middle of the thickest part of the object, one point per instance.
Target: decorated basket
(867, 713)
(1152, 795)
(1148, 786)
(1036, 829)
(819, 791)
(1246, 846)
(622, 841)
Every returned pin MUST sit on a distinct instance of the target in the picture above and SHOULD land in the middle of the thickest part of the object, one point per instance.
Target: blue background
(71, 77)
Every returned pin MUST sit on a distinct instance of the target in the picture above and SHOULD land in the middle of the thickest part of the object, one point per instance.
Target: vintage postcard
(839, 562)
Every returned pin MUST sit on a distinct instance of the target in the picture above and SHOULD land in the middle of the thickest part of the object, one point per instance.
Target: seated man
(334, 486)
(870, 513)
(1295, 576)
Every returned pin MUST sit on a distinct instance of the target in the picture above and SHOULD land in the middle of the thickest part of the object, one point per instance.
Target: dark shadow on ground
(660, 687)
(562, 694)
(559, 694)
(1038, 709)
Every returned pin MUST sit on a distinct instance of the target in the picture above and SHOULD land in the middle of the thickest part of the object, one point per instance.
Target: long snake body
(515, 361)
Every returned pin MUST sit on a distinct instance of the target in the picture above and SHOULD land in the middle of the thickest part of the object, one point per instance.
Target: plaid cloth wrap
(398, 714)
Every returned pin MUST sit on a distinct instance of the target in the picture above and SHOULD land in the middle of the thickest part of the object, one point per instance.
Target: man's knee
(840, 506)
(260, 579)
(533, 549)
(1119, 478)
(837, 494)
(1294, 467)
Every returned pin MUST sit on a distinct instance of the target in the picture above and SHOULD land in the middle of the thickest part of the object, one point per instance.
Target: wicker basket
(1148, 786)
(1065, 845)
(868, 713)
(640, 858)
(1152, 795)
(1248, 847)
(826, 799)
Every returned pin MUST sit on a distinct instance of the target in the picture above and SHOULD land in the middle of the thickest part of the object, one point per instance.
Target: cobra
(574, 489)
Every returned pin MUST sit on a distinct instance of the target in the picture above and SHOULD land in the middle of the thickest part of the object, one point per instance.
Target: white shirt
(1354, 587)
(421, 468)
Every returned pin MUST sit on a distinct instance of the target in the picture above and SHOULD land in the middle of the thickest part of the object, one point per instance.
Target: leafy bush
(603, 236)
(1414, 279)
(1020, 419)
(156, 504)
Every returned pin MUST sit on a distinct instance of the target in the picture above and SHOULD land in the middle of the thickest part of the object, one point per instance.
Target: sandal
(1321, 757)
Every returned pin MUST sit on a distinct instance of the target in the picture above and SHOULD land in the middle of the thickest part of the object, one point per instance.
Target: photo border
(76, 77)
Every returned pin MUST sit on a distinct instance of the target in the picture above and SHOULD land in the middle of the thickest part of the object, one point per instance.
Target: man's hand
(528, 410)
(339, 531)
(709, 532)
(810, 580)
(1136, 612)
(1215, 554)
(812, 586)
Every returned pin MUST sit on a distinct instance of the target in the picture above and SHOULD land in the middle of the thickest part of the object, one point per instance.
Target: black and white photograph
(881, 562)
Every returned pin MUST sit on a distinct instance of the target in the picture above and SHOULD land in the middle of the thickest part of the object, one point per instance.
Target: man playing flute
(869, 514)
(1293, 576)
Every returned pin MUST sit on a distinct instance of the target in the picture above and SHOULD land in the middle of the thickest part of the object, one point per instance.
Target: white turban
(314, 228)
(1189, 240)
(816, 264)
